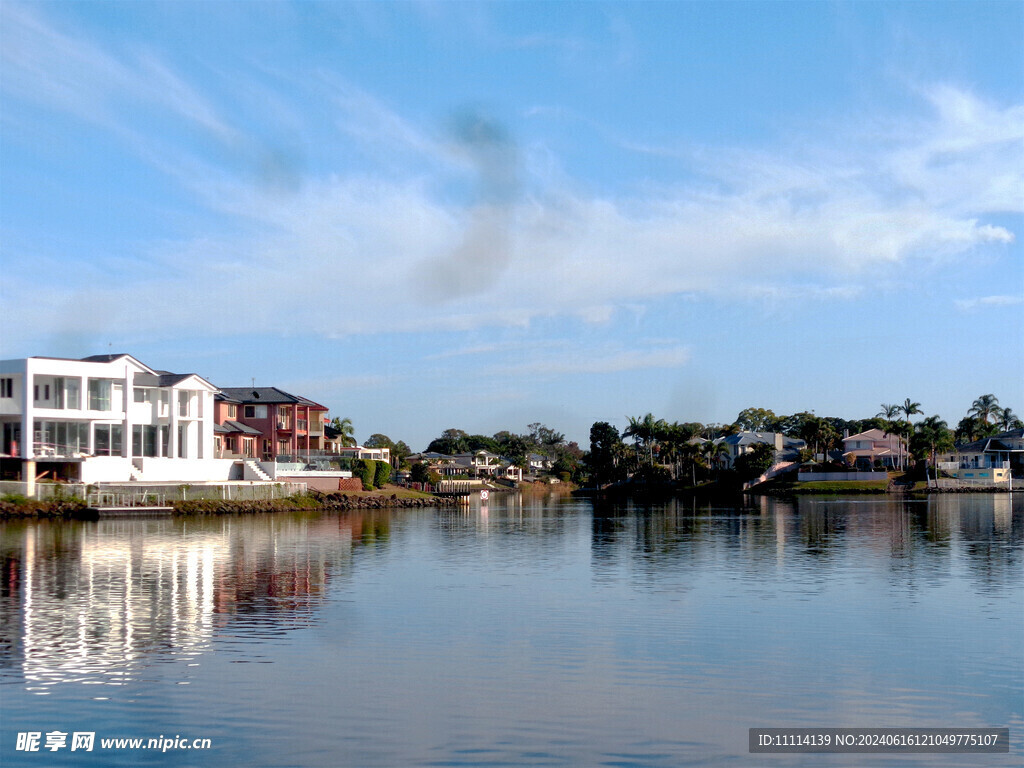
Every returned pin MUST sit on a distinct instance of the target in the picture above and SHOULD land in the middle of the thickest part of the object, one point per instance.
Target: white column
(174, 422)
(126, 404)
(27, 447)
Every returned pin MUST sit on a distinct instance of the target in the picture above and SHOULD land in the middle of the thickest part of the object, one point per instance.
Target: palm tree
(909, 408)
(889, 411)
(644, 431)
(1008, 419)
(985, 406)
(934, 434)
(714, 451)
(346, 432)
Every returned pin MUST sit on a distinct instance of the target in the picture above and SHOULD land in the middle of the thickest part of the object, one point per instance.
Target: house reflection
(96, 602)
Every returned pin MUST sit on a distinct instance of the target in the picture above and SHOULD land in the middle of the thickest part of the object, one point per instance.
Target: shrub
(381, 474)
(366, 470)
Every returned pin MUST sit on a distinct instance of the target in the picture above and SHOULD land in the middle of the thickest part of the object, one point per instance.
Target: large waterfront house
(874, 447)
(991, 459)
(105, 418)
(268, 423)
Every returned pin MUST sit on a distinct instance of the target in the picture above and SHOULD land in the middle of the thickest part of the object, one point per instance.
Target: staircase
(253, 470)
(135, 473)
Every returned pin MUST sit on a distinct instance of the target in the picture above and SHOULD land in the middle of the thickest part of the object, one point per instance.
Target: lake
(532, 631)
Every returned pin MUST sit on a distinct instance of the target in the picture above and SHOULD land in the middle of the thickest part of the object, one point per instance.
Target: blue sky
(480, 215)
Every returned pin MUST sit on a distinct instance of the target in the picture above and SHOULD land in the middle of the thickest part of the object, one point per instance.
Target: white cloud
(969, 305)
(346, 253)
(596, 361)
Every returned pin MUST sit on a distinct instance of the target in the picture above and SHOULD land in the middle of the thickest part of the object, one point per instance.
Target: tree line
(656, 449)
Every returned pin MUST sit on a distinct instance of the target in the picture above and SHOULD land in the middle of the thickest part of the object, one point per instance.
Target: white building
(106, 418)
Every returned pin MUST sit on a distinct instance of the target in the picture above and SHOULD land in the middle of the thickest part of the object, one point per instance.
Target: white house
(106, 418)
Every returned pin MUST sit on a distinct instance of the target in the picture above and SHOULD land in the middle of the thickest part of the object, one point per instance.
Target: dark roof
(985, 444)
(237, 426)
(104, 358)
(271, 395)
(221, 397)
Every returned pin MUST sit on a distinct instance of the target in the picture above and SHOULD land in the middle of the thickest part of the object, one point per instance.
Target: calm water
(531, 633)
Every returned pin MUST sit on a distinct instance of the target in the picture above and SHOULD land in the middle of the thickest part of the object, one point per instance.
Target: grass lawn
(387, 491)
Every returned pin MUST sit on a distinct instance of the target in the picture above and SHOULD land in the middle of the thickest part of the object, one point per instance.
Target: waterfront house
(874, 448)
(105, 418)
(991, 459)
(279, 423)
(787, 448)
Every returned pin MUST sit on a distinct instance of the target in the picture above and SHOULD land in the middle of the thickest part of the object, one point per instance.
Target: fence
(967, 482)
(137, 494)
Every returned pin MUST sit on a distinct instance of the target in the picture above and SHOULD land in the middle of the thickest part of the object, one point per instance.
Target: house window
(255, 411)
(6, 388)
(247, 447)
(71, 394)
(107, 439)
(183, 398)
(232, 411)
(165, 440)
(144, 437)
(61, 438)
(143, 395)
(182, 441)
(99, 394)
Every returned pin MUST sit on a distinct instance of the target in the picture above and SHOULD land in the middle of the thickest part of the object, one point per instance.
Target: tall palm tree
(644, 432)
(909, 408)
(889, 411)
(934, 433)
(985, 406)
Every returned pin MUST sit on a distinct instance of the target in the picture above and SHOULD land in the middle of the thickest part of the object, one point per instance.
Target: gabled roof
(874, 433)
(984, 445)
(267, 395)
(237, 426)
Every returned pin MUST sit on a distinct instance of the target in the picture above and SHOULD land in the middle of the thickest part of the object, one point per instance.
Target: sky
(427, 215)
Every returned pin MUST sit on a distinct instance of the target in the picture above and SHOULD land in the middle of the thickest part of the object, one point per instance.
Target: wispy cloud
(983, 302)
(349, 252)
(597, 361)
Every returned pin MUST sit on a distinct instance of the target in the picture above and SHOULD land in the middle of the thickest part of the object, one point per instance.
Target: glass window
(182, 441)
(72, 394)
(99, 394)
(165, 441)
(183, 397)
(6, 387)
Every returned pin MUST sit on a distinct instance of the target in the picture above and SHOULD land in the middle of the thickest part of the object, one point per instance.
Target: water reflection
(94, 603)
(529, 630)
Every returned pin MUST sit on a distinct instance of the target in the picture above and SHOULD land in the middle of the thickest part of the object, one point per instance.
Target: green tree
(757, 420)
(400, 455)
(755, 462)
(985, 407)
(644, 431)
(346, 433)
(1009, 420)
(931, 436)
(450, 442)
(543, 437)
(889, 411)
(377, 440)
(419, 472)
(603, 458)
